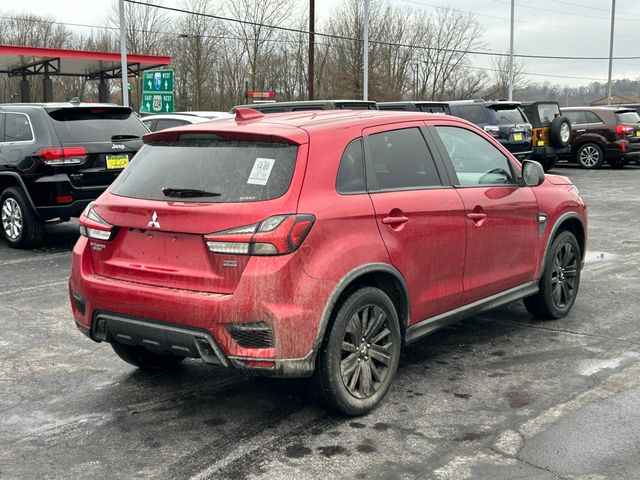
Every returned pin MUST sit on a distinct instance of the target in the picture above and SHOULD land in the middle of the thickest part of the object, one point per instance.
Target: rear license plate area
(117, 162)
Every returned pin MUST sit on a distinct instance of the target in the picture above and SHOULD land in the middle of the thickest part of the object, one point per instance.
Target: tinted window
(592, 118)
(95, 124)
(473, 113)
(547, 112)
(475, 160)
(401, 159)
(1, 127)
(169, 123)
(351, 172)
(237, 171)
(17, 128)
(508, 116)
(628, 118)
(576, 117)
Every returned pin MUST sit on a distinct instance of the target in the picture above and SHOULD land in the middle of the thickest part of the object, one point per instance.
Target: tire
(360, 353)
(590, 156)
(560, 132)
(146, 359)
(20, 225)
(560, 279)
(618, 162)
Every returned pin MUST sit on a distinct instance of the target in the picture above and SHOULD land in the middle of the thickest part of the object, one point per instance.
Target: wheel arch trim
(556, 227)
(348, 280)
(22, 185)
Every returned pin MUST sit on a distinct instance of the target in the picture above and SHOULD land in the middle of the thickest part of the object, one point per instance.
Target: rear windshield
(508, 116)
(89, 124)
(628, 118)
(230, 171)
(547, 113)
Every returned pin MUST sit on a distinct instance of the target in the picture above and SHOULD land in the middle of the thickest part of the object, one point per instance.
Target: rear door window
(592, 118)
(95, 124)
(576, 117)
(209, 171)
(401, 160)
(473, 113)
(17, 128)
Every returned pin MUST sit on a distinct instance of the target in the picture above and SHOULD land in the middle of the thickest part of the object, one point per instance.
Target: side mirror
(532, 173)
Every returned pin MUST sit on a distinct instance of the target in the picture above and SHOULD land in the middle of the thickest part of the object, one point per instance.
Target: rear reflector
(63, 198)
(259, 363)
(277, 235)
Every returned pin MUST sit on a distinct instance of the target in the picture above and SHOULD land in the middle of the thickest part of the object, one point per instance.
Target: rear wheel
(560, 279)
(590, 156)
(360, 353)
(21, 226)
(143, 358)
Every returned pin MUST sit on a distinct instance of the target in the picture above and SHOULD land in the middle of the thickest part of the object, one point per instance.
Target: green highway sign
(157, 81)
(156, 103)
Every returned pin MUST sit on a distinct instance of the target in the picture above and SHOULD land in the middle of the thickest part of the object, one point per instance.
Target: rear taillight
(539, 134)
(624, 129)
(492, 130)
(94, 227)
(56, 156)
(277, 235)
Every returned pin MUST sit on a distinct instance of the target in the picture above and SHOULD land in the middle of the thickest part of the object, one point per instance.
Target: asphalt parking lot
(497, 396)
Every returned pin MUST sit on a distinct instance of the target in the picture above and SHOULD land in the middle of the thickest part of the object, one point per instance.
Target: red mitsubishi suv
(319, 243)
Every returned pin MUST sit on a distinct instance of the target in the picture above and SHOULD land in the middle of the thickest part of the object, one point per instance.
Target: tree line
(413, 54)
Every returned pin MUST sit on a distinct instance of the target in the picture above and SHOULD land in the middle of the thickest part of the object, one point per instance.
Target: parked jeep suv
(55, 158)
(551, 132)
(264, 245)
(604, 134)
(503, 120)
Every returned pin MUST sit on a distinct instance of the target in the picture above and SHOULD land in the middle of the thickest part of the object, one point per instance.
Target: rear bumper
(196, 324)
(548, 152)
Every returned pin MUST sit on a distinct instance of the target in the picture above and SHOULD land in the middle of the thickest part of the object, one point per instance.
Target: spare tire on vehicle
(560, 132)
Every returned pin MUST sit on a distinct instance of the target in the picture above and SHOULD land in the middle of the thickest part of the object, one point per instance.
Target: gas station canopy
(23, 61)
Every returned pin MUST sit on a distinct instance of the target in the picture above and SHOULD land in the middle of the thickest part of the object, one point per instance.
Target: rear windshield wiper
(124, 137)
(187, 193)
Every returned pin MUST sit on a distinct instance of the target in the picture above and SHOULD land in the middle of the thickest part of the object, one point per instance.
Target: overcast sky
(543, 27)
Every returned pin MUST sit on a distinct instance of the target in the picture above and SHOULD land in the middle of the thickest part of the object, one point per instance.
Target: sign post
(157, 91)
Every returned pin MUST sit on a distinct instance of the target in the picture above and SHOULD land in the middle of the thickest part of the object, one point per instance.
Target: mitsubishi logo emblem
(154, 221)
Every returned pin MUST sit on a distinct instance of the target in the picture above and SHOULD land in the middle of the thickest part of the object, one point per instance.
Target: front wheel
(560, 279)
(360, 353)
(146, 359)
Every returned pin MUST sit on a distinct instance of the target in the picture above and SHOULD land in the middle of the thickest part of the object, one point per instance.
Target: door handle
(476, 216)
(394, 220)
(581, 130)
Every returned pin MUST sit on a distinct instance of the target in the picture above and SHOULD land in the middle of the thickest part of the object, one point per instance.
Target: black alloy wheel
(560, 279)
(360, 355)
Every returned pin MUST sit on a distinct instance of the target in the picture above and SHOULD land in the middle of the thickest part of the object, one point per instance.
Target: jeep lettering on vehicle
(117, 146)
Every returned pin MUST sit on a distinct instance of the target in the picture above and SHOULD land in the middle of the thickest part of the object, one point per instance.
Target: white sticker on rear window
(261, 170)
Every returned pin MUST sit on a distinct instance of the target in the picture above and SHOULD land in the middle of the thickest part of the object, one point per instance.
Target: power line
(538, 9)
(377, 42)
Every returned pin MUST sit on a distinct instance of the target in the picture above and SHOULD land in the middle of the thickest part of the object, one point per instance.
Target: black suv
(55, 158)
(503, 120)
(305, 105)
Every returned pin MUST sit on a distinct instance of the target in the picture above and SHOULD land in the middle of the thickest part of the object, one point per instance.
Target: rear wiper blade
(187, 193)
(124, 137)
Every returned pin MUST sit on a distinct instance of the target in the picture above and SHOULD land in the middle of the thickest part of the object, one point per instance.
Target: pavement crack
(561, 330)
(532, 465)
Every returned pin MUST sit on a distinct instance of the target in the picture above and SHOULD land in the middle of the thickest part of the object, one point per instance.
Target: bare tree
(499, 86)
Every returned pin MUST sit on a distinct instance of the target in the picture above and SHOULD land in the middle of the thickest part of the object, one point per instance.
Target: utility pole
(123, 56)
(365, 83)
(511, 51)
(312, 49)
(613, 21)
